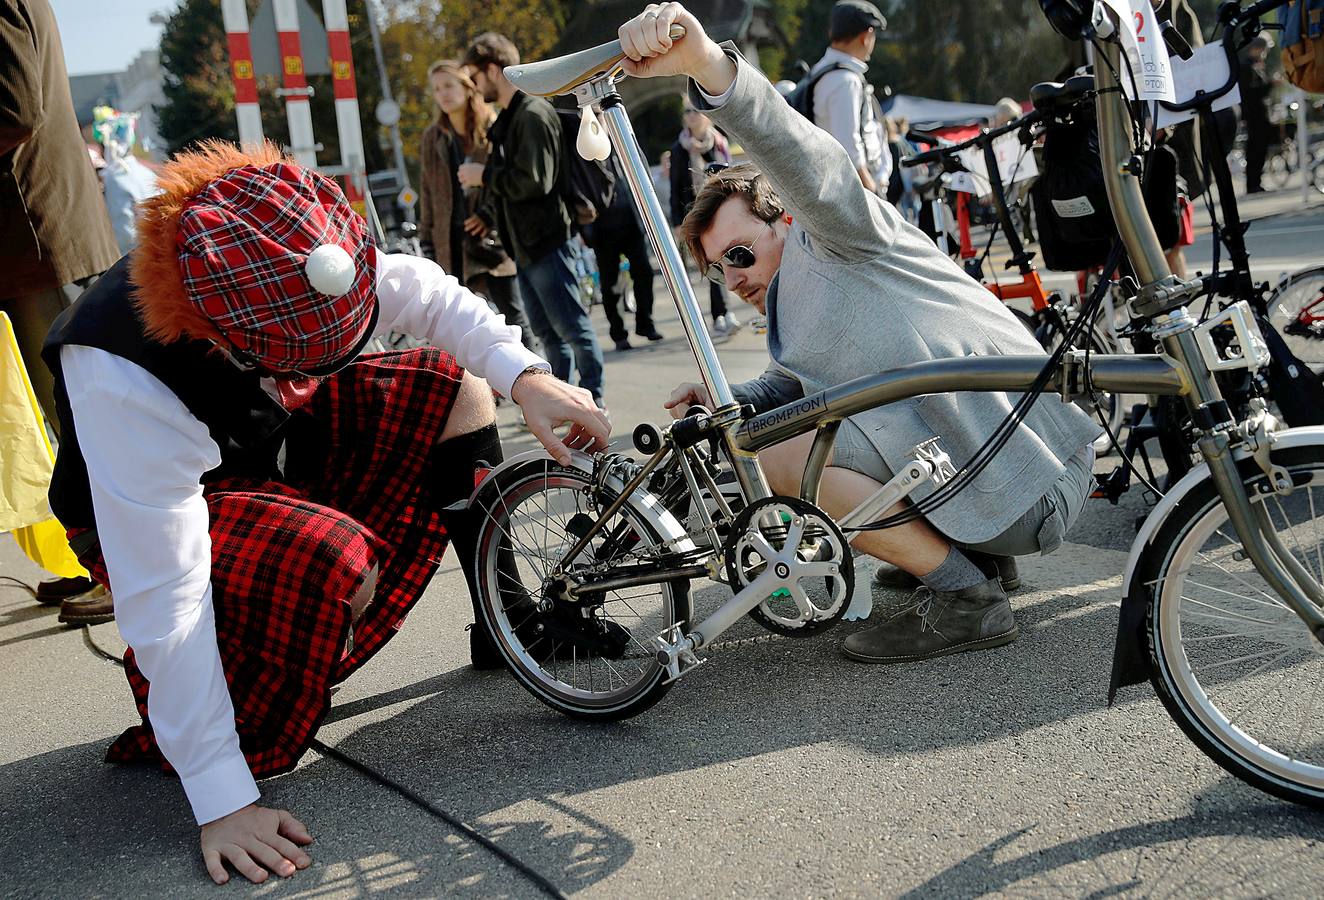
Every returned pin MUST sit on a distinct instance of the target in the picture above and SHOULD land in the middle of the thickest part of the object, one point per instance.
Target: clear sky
(105, 35)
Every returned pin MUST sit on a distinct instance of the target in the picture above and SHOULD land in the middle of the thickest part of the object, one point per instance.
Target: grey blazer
(860, 290)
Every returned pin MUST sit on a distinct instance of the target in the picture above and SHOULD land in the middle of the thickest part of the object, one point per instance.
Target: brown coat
(436, 227)
(54, 229)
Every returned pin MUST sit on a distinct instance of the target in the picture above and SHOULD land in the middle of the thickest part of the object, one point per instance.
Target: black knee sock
(452, 481)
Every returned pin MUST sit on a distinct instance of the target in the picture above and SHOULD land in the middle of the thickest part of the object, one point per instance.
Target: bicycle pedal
(675, 653)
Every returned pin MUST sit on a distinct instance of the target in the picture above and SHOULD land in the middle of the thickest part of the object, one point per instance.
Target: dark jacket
(682, 183)
(440, 217)
(54, 229)
(524, 178)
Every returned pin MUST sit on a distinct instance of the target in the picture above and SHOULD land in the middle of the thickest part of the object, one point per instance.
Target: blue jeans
(559, 319)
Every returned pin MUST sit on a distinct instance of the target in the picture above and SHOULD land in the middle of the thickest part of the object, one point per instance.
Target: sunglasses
(741, 256)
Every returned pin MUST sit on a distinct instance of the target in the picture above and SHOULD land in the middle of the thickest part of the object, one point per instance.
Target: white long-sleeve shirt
(844, 108)
(146, 454)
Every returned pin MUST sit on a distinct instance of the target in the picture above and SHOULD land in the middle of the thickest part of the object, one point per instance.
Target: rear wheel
(1236, 668)
(1293, 306)
(588, 657)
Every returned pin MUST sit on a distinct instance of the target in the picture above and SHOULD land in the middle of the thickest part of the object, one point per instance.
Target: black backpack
(588, 186)
(1071, 200)
(802, 97)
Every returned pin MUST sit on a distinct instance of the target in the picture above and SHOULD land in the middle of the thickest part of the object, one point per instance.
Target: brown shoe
(57, 590)
(92, 608)
(938, 623)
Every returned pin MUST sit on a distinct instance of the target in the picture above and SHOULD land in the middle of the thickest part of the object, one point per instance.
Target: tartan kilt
(288, 556)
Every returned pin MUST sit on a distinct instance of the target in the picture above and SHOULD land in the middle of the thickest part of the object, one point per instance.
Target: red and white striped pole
(295, 83)
(347, 102)
(246, 109)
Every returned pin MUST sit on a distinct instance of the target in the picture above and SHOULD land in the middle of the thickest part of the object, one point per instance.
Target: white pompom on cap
(330, 270)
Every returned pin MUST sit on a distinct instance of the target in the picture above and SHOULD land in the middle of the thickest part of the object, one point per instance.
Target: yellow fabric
(26, 463)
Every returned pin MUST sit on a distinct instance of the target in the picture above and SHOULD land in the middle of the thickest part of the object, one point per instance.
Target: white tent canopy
(926, 113)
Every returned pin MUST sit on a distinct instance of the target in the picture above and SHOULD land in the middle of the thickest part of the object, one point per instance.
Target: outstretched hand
(256, 841)
(650, 51)
(548, 403)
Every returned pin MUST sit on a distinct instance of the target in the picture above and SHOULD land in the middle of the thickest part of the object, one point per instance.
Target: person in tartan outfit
(265, 502)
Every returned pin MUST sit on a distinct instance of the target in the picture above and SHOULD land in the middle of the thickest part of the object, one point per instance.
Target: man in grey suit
(849, 288)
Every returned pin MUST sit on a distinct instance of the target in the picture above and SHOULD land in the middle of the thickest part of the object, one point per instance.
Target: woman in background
(457, 227)
(699, 146)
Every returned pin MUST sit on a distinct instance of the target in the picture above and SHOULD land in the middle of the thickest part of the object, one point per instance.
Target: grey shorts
(1040, 529)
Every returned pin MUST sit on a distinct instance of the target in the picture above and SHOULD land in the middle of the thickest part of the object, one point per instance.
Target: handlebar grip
(920, 159)
(915, 136)
(676, 31)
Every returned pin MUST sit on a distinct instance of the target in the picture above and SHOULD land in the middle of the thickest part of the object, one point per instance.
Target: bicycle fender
(648, 505)
(1130, 658)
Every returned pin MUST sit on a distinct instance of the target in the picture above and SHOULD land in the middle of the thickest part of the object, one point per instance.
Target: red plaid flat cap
(244, 244)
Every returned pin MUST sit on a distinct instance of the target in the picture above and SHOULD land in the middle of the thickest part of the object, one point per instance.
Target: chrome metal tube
(658, 228)
(820, 453)
(1227, 478)
(1115, 151)
(620, 582)
(1139, 374)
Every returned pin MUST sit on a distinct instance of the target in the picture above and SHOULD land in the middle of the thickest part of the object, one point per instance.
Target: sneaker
(720, 326)
(896, 579)
(937, 623)
(732, 323)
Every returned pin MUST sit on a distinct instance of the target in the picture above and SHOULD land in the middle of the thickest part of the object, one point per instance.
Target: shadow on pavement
(1181, 856)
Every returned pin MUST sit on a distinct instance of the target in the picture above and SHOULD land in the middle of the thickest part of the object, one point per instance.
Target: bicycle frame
(1182, 371)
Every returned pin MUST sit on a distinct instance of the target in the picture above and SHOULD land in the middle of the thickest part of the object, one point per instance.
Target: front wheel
(587, 656)
(1238, 671)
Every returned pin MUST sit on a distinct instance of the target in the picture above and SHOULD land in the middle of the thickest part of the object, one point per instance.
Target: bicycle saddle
(1051, 95)
(565, 73)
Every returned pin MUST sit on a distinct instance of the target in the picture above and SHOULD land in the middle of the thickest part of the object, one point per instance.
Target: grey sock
(956, 573)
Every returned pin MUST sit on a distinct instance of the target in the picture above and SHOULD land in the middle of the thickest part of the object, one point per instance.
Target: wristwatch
(531, 370)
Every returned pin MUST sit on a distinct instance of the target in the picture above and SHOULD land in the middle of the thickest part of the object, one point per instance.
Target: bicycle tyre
(1285, 303)
(541, 675)
(1176, 648)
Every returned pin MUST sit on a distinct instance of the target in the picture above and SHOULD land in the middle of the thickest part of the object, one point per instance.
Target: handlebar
(928, 156)
(949, 151)
(1232, 16)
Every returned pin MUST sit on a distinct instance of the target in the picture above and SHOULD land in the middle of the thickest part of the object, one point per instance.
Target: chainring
(823, 557)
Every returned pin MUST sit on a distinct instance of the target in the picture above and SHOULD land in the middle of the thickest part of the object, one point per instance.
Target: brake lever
(1176, 43)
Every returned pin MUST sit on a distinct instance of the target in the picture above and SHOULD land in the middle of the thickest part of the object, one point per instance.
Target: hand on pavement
(651, 53)
(470, 174)
(685, 396)
(548, 403)
(255, 840)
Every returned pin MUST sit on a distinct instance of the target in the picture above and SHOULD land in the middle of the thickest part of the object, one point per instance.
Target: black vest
(245, 422)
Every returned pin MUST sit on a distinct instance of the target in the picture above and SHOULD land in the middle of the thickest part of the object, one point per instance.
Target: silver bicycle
(1222, 591)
